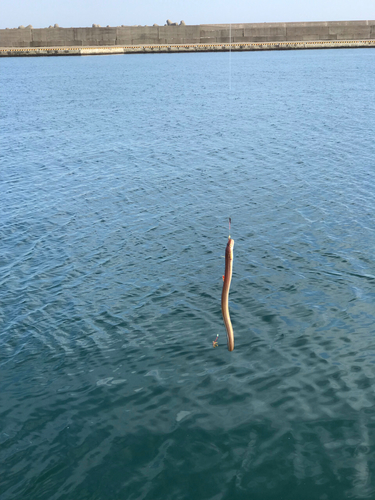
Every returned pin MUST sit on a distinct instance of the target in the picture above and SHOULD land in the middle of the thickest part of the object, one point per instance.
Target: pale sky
(76, 13)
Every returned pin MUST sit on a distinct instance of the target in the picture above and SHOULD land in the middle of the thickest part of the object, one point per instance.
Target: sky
(82, 13)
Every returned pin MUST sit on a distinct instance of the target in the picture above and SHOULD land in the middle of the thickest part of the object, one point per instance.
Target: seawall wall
(185, 34)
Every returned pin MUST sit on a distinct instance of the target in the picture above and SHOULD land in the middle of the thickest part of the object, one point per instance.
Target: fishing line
(230, 57)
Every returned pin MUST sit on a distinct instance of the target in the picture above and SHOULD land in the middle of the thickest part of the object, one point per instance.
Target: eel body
(225, 293)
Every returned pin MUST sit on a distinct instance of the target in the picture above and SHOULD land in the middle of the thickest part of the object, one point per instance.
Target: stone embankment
(147, 49)
(174, 37)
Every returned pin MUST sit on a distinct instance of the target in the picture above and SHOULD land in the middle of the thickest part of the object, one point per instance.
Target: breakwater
(147, 49)
(214, 35)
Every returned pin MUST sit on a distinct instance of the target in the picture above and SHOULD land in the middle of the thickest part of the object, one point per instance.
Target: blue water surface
(117, 178)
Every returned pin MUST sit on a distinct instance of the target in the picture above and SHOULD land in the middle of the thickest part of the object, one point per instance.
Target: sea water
(118, 175)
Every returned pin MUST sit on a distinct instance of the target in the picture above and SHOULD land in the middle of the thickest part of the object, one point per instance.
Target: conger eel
(225, 293)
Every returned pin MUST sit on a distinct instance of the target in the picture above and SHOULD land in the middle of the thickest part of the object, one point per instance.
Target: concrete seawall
(147, 49)
(203, 34)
